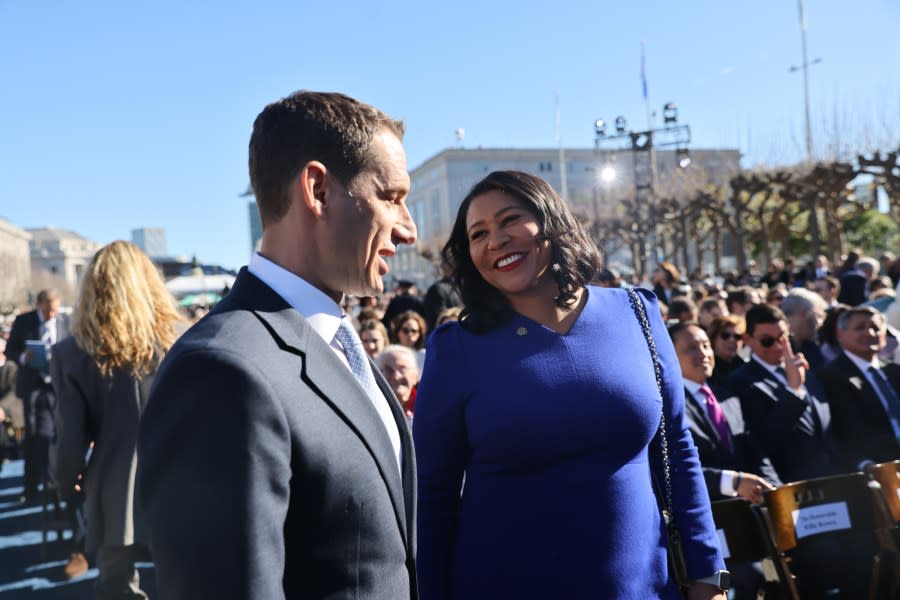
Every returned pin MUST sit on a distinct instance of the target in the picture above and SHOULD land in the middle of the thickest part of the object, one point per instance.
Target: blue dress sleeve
(441, 443)
(689, 496)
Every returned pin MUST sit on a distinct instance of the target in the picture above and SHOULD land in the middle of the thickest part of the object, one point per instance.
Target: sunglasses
(768, 342)
(407, 330)
(725, 335)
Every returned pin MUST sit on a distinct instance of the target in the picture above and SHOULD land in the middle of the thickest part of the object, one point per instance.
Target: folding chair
(745, 537)
(846, 508)
(888, 476)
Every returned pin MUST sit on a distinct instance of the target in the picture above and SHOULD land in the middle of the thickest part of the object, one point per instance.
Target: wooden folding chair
(888, 476)
(745, 536)
(835, 506)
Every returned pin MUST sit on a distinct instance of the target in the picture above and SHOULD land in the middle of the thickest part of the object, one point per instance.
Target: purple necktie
(714, 410)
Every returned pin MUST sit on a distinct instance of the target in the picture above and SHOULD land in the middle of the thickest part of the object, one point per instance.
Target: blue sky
(116, 115)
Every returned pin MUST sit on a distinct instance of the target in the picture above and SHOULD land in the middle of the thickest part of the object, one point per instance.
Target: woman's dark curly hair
(575, 259)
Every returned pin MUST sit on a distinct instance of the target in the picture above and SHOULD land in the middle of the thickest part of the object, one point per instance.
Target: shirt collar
(692, 387)
(767, 366)
(861, 363)
(321, 312)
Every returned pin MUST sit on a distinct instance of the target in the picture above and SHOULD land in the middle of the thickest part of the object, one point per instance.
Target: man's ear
(312, 187)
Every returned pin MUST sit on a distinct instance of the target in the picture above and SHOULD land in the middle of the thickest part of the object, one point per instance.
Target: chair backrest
(888, 475)
(820, 506)
(746, 536)
(740, 536)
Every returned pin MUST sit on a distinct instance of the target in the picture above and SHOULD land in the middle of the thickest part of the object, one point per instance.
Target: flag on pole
(643, 71)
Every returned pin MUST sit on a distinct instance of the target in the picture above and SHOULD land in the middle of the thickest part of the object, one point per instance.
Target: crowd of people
(517, 431)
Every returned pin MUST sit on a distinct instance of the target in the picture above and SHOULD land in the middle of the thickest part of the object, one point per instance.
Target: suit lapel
(324, 373)
(700, 419)
(854, 375)
(407, 451)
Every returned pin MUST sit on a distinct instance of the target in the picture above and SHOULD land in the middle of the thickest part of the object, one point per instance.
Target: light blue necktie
(357, 359)
(362, 370)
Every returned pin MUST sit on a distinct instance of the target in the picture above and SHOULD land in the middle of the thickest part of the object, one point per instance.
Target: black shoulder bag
(677, 563)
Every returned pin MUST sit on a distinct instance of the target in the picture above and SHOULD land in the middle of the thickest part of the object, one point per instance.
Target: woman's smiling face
(505, 243)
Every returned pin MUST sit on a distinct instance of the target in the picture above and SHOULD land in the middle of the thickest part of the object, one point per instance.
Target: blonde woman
(124, 322)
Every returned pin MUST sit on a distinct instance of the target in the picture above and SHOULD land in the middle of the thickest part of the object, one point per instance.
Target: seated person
(782, 402)
(864, 394)
(726, 334)
(732, 462)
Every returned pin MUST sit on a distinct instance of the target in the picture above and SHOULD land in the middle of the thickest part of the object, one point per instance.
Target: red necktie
(714, 410)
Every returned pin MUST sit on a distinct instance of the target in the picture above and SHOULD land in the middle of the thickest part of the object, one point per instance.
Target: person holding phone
(537, 421)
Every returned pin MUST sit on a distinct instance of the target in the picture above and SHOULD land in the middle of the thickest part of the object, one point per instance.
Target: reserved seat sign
(821, 518)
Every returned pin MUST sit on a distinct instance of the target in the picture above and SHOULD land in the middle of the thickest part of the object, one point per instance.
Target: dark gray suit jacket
(861, 425)
(106, 411)
(264, 468)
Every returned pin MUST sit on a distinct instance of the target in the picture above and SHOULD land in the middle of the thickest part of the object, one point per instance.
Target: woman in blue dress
(536, 418)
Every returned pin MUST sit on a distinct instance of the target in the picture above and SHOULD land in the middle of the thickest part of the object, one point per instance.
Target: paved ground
(30, 569)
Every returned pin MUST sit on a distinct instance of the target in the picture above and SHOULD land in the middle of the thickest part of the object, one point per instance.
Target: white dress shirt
(782, 378)
(324, 315)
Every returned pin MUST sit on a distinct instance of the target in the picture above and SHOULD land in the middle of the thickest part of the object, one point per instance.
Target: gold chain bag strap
(677, 564)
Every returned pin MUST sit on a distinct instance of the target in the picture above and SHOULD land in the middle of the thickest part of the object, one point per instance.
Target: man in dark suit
(440, 296)
(732, 462)
(785, 409)
(805, 312)
(274, 460)
(46, 326)
(405, 299)
(783, 403)
(864, 394)
(855, 280)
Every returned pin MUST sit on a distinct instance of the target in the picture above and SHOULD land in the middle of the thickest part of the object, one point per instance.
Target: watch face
(724, 580)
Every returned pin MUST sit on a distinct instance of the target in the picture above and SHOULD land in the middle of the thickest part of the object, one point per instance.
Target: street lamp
(608, 174)
(805, 68)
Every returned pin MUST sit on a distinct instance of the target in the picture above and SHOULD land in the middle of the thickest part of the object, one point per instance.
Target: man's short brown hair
(331, 128)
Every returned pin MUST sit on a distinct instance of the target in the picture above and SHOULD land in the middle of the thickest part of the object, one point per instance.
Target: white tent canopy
(199, 284)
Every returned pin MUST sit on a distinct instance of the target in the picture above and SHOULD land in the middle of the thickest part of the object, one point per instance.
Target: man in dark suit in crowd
(405, 299)
(855, 280)
(782, 402)
(785, 409)
(805, 313)
(274, 460)
(733, 463)
(440, 296)
(46, 326)
(863, 393)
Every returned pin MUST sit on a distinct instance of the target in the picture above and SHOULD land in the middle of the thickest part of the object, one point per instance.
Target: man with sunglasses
(784, 409)
(782, 401)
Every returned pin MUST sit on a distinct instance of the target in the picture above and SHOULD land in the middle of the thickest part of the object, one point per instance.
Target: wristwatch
(721, 579)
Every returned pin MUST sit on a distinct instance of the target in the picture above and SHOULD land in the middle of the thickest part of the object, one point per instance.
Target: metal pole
(805, 67)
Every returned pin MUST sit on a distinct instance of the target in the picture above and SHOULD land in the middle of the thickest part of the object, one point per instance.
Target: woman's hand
(705, 591)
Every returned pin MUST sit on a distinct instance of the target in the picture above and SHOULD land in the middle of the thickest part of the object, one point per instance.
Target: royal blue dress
(552, 433)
